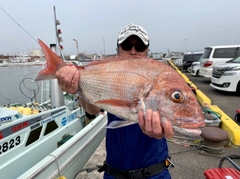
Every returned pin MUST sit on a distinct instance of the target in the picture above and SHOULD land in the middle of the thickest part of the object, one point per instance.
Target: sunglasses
(138, 47)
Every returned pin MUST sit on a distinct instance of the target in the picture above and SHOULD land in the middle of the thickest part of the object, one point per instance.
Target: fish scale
(105, 87)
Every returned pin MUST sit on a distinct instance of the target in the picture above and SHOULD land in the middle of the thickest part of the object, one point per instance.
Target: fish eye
(177, 96)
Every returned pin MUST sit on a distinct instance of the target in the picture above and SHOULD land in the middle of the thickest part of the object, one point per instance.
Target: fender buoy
(27, 111)
(62, 177)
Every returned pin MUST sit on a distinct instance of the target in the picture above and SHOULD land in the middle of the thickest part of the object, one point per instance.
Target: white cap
(133, 29)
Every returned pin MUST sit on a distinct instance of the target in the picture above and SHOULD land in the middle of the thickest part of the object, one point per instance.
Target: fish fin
(53, 63)
(117, 102)
(118, 124)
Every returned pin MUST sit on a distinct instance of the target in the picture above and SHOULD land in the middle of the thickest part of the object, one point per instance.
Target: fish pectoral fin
(118, 124)
(117, 102)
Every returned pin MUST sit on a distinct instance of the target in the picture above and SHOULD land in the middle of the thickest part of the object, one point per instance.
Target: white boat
(31, 145)
(3, 63)
(69, 159)
(48, 144)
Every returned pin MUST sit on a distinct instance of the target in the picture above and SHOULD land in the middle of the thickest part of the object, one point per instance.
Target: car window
(224, 52)
(196, 57)
(238, 52)
(207, 53)
(192, 57)
(184, 57)
(235, 60)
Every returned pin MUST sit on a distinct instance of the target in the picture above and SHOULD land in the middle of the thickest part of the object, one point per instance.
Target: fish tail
(53, 63)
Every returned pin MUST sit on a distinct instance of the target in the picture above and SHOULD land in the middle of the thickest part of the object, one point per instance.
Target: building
(35, 52)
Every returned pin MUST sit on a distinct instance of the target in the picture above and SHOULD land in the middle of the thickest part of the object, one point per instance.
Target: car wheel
(189, 69)
(197, 73)
(238, 89)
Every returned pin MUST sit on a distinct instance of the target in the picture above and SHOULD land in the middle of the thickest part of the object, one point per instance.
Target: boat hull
(29, 138)
(72, 156)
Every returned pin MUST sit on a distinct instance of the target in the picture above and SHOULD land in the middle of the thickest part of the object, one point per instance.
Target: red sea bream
(123, 85)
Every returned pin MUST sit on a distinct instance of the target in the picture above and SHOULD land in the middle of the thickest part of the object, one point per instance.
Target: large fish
(123, 85)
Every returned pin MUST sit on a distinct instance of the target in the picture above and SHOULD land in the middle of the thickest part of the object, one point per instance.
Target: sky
(174, 25)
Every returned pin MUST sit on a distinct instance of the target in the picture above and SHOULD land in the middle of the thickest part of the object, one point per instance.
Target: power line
(19, 25)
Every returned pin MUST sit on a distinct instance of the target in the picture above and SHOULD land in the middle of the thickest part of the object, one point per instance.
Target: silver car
(195, 68)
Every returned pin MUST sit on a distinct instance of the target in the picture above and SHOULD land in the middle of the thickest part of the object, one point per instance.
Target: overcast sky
(171, 24)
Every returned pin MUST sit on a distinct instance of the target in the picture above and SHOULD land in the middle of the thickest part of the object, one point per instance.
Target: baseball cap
(133, 29)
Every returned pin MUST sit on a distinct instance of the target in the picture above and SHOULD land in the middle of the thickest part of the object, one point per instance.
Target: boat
(42, 139)
(50, 137)
(3, 63)
(21, 58)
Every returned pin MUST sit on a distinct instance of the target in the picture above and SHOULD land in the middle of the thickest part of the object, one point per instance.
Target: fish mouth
(188, 132)
(189, 127)
(193, 125)
(190, 123)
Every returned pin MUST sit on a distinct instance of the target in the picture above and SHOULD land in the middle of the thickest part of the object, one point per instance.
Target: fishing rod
(58, 41)
(19, 24)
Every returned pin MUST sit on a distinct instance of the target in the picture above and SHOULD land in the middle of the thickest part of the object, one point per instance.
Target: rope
(197, 145)
(9, 101)
(35, 93)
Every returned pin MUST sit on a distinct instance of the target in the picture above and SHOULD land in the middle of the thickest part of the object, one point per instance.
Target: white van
(226, 76)
(216, 55)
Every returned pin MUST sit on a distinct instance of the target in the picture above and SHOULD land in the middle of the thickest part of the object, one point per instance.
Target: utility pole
(76, 45)
(186, 46)
(103, 46)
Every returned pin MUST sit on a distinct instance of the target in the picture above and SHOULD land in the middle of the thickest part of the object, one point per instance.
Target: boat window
(34, 135)
(51, 126)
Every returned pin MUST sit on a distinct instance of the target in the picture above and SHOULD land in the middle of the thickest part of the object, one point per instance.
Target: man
(138, 150)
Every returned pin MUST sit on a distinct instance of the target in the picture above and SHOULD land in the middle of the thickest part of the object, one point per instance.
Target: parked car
(226, 76)
(188, 59)
(178, 62)
(195, 68)
(215, 55)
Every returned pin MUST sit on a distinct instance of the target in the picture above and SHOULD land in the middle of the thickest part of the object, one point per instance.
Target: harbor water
(17, 85)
